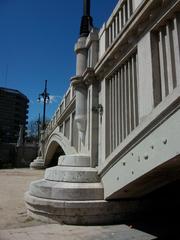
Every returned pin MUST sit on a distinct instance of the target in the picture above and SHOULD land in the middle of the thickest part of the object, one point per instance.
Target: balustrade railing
(118, 21)
(122, 85)
(121, 103)
(166, 58)
(67, 128)
(67, 99)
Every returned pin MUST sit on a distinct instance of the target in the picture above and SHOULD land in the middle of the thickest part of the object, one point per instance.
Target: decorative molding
(77, 81)
(89, 76)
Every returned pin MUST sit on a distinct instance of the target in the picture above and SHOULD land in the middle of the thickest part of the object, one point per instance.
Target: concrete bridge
(116, 133)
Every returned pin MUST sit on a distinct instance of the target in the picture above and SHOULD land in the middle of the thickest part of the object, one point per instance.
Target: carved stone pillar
(81, 90)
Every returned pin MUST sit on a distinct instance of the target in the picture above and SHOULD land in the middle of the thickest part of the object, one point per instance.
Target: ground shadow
(162, 217)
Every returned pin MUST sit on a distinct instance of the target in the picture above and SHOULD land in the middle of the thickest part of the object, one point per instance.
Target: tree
(33, 130)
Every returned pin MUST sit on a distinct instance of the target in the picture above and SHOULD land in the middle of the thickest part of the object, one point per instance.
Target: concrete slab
(66, 232)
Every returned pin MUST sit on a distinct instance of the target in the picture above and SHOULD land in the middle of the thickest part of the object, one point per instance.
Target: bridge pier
(72, 193)
(39, 162)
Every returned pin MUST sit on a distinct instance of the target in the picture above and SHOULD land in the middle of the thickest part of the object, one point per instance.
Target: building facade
(13, 113)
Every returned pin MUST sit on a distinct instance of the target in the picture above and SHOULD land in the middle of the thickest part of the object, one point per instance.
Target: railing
(166, 58)
(121, 103)
(67, 98)
(67, 128)
(118, 21)
(122, 113)
(60, 114)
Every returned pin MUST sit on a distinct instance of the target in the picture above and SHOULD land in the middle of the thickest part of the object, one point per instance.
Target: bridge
(115, 135)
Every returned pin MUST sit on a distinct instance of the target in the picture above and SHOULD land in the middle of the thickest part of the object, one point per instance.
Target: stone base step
(80, 212)
(74, 160)
(38, 163)
(66, 191)
(72, 174)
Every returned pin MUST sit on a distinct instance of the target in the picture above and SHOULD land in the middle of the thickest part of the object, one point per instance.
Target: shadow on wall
(17, 157)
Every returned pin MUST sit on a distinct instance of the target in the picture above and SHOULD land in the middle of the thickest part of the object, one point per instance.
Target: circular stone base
(94, 212)
(66, 191)
(74, 160)
(38, 163)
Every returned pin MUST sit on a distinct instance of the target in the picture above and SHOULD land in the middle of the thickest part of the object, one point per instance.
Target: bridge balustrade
(117, 22)
(62, 116)
(125, 93)
(121, 103)
(67, 98)
(166, 58)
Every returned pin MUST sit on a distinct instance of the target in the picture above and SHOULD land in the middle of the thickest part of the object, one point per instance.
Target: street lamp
(45, 97)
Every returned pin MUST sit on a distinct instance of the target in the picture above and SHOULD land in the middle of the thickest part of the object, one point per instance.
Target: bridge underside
(159, 177)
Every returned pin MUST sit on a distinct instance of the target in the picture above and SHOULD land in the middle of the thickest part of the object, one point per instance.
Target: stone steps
(74, 160)
(89, 212)
(72, 174)
(38, 163)
(66, 190)
(72, 193)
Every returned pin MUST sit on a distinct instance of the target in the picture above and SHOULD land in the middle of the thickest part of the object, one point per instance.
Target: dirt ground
(13, 184)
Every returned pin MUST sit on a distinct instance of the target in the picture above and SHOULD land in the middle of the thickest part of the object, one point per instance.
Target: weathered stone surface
(66, 190)
(74, 160)
(80, 212)
(38, 163)
(71, 174)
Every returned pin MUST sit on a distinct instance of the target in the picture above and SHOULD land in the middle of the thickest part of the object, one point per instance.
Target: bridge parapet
(64, 110)
(146, 75)
(117, 23)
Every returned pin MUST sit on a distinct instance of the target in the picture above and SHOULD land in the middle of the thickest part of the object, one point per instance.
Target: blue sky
(37, 40)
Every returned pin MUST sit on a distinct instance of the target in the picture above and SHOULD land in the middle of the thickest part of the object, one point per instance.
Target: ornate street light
(45, 97)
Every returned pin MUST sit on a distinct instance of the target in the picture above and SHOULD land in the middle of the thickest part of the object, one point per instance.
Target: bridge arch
(56, 145)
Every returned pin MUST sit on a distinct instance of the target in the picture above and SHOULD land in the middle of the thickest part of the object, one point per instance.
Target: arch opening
(53, 153)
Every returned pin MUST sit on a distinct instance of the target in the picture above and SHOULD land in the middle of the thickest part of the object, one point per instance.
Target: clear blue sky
(37, 40)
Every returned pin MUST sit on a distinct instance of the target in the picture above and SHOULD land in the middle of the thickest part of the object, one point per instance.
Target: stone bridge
(116, 132)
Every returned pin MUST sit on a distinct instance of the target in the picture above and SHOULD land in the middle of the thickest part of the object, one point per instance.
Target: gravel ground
(13, 184)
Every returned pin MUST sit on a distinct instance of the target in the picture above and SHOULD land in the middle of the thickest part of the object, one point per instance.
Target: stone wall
(25, 155)
(7, 155)
(16, 157)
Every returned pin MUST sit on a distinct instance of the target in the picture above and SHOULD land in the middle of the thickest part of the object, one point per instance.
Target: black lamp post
(86, 20)
(45, 97)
